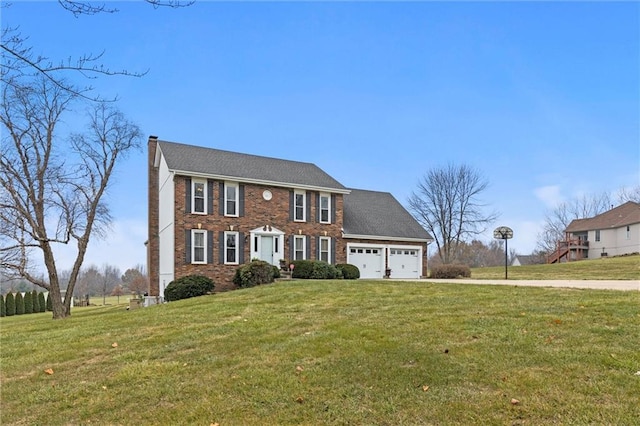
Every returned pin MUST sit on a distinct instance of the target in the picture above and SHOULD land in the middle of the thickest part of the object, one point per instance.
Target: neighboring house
(612, 233)
(212, 210)
(525, 259)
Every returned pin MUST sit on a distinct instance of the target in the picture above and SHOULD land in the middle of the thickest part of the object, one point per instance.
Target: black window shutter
(240, 201)
(317, 248)
(308, 247)
(292, 205)
(187, 193)
(317, 207)
(308, 205)
(209, 246)
(187, 246)
(221, 206)
(332, 257)
(210, 183)
(333, 208)
(292, 248)
(221, 251)
(240, 246)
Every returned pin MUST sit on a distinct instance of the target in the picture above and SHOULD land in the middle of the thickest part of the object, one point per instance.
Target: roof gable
(196, 160)
(623, 215)
(379, 214)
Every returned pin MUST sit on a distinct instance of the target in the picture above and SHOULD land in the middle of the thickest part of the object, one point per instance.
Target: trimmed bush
(10, 305)
(28, 302)
(323, 271)
(3, 310)
(252, 274)
(42, 302)
(450, 271)
(302, 269)
(187, 287)
(49, 304)
(35, 301)
(276, 272)
(348, 271)
(19, 304)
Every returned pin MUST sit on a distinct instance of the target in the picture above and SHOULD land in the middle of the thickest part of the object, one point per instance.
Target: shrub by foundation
(255, 273)
(187, 287)
(348, 271)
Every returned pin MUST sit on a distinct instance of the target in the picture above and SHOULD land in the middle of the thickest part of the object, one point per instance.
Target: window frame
(194, 247)
(303, 194)
(303, 249)
(597, 235)
(327, 251)
(328, 208)
(226, 236)
(227, 199)
(194, 197)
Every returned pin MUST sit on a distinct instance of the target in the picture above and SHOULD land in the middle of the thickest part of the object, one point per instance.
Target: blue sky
(543, 98)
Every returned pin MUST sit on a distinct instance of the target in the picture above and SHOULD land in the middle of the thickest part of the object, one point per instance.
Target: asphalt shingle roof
(625, 214)
(373, 213)
(238, 166)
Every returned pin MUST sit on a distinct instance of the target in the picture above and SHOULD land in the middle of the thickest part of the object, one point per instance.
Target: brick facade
(153, 243)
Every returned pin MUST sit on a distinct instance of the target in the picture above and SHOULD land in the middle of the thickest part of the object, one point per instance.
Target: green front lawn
(332, 352)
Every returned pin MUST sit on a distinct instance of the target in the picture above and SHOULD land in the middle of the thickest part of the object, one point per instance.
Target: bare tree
(18, 59)
(557, 220)
(109, 277)
(447, 205)
(629, 194)
(118, 291)
(51, 189)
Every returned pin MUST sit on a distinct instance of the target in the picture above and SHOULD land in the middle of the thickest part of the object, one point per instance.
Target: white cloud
(549, 195)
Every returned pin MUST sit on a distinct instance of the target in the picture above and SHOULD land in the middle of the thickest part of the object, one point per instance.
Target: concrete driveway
(588, 284)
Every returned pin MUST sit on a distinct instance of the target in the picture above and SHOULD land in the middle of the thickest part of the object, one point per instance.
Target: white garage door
(369, 260)
(404, 263)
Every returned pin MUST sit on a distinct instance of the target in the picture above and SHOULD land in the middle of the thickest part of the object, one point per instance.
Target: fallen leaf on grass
(515, 401)
(557, 321)
(425, 388)
(637, 373)
(49, 371)
(299, 400)
(214, 424)
(299, 369)
(104, 388)
(114, 345)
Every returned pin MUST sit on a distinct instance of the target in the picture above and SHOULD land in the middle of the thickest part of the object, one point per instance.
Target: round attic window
(267, 194)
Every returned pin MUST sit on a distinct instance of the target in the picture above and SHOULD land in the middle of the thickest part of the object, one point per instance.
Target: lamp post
(504, 233)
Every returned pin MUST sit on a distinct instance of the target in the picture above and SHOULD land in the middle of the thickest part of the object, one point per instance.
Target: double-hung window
(628, 235)
(231, 247)
(231, 199)
(300, 206)
(325, 208)
(198, 196)
(597, 235)
(325, 249)
(299, 247)
(198, 245)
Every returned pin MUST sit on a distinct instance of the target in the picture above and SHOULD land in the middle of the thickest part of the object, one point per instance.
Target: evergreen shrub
(254, 273)
(187, 287)
(349, 271)
(49, 303)
(19, 304)
(450, 271)
(36, 301)
(42, 302)
(302, 269)
(3, 310)
(323, 271)
(28, 303)
(10, 305)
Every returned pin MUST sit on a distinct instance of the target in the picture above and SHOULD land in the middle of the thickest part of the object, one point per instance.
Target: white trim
(204, 196)
(193, 247)
(278, 242)
(328, 240)
(304, 205)
(262, 182)
(236, 186)
(374, 237)
(237, 236)
(304, 246)
(319, 207)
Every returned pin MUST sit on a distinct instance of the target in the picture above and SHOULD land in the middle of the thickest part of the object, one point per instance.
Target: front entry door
(266, 248)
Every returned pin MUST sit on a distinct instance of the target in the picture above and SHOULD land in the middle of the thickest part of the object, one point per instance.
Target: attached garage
(368, 259)
(405, 262)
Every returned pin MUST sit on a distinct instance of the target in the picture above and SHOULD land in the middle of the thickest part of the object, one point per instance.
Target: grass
(332, 352)
(613, 268)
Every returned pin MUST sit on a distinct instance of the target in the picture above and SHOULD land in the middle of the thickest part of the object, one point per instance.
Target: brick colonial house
(212, 210)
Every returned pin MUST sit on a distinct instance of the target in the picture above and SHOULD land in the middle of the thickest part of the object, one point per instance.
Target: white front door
(266, 248)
